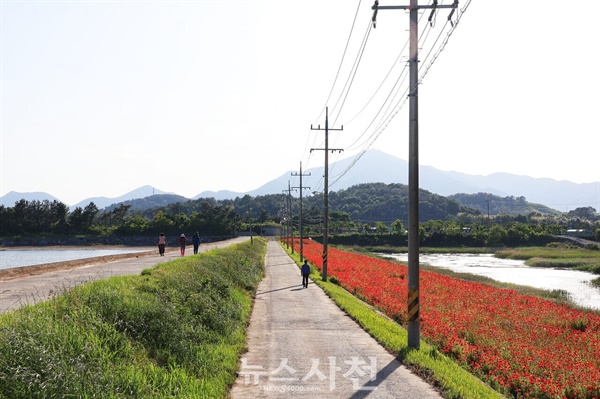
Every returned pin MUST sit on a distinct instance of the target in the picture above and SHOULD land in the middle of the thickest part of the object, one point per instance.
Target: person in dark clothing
(196, 242)
(305, 270)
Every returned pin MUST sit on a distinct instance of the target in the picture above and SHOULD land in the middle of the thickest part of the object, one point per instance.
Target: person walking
(196, 242)
(182, 241)
(305, 270)
(162, 243)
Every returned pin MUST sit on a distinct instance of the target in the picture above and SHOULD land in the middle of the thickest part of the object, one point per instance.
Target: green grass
(453, 381)
(556, 256)
(175, 331)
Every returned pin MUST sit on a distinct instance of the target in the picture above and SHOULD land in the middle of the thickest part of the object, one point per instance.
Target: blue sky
(101, 97)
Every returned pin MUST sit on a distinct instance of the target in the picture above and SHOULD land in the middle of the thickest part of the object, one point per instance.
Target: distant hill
(372, 202)
(150, 202)
(219, 195)
(12, 197)
(496, 205)
(378, 167)
(103, 202)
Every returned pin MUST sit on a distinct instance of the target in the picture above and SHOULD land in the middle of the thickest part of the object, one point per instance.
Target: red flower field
(521, 345)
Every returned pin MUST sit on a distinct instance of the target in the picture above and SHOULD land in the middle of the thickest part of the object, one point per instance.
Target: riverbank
(17, 272)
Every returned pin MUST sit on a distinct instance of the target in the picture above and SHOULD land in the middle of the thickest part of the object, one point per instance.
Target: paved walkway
(301, 345)
(16, 292)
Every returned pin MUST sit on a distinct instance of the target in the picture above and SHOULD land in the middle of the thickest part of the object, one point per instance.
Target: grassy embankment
(175, 331)
(560, 257)
(453, 381)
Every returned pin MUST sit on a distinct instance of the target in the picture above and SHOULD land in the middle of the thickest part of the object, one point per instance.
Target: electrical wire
(353, 71)
(349, 81)
(404, 70)
(382, 126)
(341, 62)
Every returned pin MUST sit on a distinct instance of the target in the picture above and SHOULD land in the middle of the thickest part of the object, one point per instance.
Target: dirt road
(33, 284)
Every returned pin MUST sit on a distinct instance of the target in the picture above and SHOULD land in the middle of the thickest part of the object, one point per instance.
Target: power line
(352, 75)
(388, 117)
(341, 62)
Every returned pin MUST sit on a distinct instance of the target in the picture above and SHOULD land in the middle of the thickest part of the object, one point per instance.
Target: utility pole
(288, 211)
(291, 218)
(250, 224)
(285, 218)
(326, 190)
(414, 324)
(300, 220)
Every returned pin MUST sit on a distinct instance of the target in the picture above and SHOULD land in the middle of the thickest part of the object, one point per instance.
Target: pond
(576, 283)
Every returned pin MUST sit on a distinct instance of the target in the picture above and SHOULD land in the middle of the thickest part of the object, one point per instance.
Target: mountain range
(377, 166)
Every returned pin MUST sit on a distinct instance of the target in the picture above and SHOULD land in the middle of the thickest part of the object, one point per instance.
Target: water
(10, 258)
(575, 282)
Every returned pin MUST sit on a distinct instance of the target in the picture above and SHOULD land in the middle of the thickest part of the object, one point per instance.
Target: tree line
(365, 210)
(54, 218)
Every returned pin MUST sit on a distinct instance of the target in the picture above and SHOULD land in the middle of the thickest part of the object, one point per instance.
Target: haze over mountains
(377, 166)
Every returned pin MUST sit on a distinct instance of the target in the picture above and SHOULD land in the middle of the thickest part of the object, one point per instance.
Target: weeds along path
(301, 345)
(28, 289)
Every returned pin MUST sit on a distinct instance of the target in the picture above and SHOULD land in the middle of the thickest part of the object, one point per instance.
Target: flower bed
(521, 345)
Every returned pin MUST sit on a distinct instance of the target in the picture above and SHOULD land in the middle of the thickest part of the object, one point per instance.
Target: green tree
(497, 236)
(381, 227)
(397, 226)
(134, 225)
(162, 223)
(518, 233)
(58, 213)
(587, 212)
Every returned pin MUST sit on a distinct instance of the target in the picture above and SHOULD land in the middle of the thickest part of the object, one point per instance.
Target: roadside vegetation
(556, 256)
(175, 331)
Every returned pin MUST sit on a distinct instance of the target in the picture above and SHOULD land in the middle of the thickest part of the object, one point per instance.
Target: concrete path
(16, 292)
(301, 345)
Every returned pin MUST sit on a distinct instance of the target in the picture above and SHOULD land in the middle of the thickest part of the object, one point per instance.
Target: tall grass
(176, 331)
(555, 257)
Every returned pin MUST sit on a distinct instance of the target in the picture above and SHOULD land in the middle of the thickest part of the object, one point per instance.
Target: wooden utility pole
(413, 317)
(326, 189)
(300, 219)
